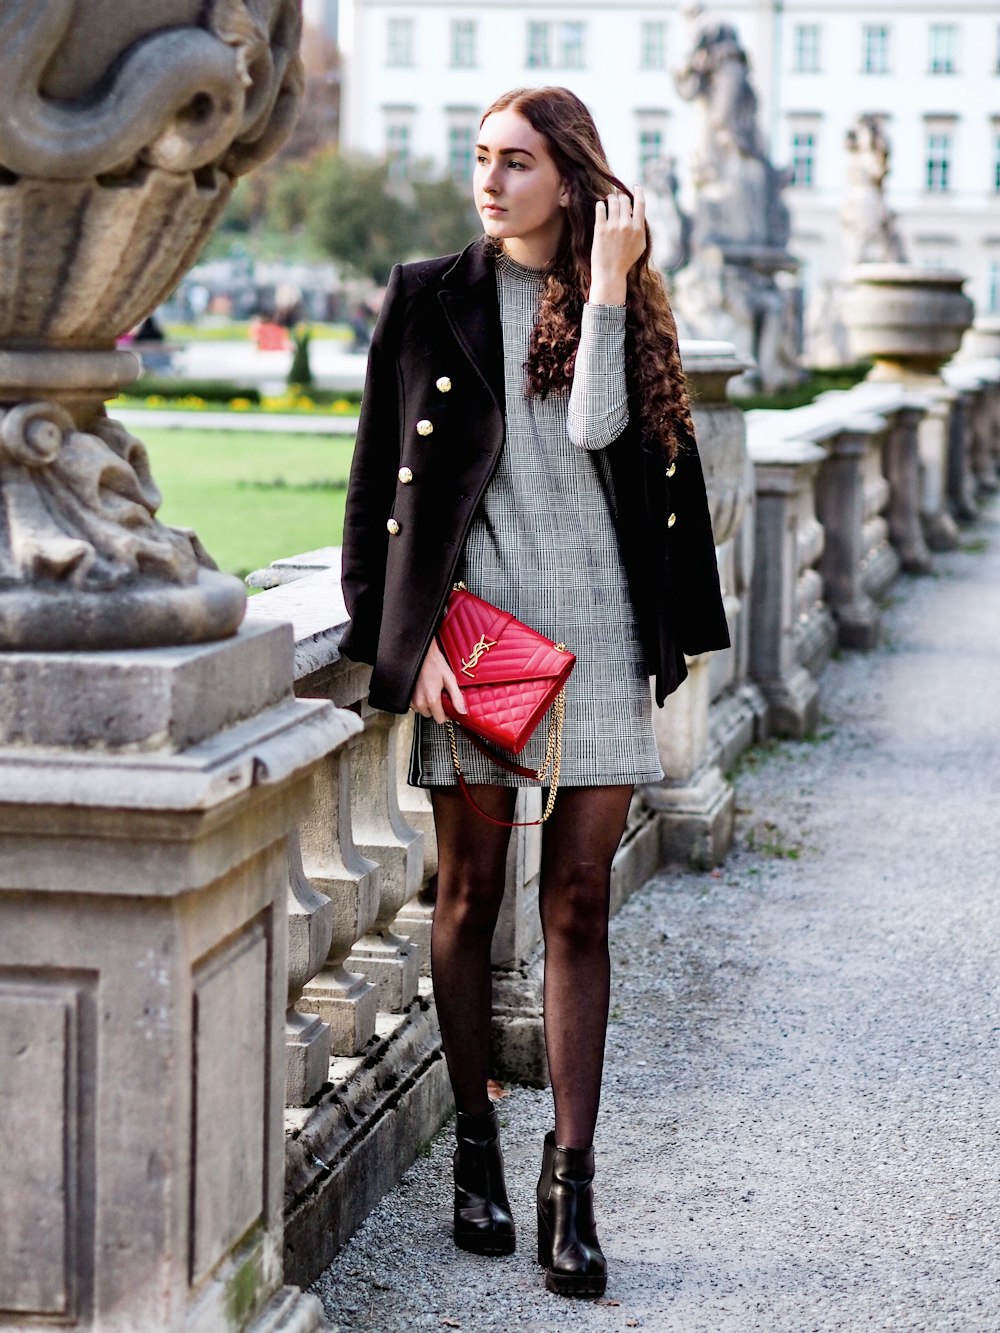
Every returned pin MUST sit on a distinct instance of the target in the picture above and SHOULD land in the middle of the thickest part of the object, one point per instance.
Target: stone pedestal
(695, 804)
(856, 561)
(146, 799)
(787, 609)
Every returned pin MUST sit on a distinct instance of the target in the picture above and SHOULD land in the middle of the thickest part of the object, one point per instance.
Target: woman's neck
(529, 253)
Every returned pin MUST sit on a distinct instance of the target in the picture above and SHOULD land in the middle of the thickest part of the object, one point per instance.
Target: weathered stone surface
(111, 177)
(143, 939)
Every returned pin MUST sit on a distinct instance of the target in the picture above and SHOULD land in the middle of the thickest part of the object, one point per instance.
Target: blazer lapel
(469, 299)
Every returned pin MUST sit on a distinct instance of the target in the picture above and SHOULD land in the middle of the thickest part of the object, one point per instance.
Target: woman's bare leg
(472, 858)
(578, 845)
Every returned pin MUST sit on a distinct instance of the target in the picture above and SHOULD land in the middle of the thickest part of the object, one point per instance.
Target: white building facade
(417, 74)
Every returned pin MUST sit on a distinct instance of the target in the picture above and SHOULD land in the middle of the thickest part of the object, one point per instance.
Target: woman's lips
(493, 208)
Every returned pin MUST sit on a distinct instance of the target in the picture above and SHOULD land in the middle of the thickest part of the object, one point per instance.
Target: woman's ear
(564, 196)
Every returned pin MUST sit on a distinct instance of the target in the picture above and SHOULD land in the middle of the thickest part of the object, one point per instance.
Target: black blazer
(429, 439)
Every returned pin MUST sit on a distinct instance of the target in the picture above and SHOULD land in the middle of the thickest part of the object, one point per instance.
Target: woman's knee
(574, 905)
(467, 900)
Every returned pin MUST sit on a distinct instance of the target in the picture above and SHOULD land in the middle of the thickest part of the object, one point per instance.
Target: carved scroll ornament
(182, 98)
(79, 507)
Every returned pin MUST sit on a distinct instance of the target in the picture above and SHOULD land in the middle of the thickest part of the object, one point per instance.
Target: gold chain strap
(553, 751)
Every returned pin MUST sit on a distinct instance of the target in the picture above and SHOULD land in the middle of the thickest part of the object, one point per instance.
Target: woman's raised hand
(436, 675)
(619, 240)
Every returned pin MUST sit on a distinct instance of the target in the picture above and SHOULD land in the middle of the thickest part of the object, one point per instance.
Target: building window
(803, 159)
(398, 148)
(461, 146)
(463, 43)
(538, 56)
(651, 149)
(399, 42)
(938, 161)
(571, 45)
(944, 48)
(806, 48)
(993, 288)
(875, 49)
(996, 160)
(653, 45)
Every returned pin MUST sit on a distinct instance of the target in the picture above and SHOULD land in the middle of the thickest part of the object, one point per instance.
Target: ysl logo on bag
(483, 646)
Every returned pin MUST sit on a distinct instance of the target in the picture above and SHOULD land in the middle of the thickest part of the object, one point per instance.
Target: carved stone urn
(123, 126)
(907, 317)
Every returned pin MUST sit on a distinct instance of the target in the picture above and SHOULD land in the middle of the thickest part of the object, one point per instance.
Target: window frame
(653, 49)
(868, 65)
(944, 60)
(462, 43)
(538, 28)
(802, 49)
(400, 54)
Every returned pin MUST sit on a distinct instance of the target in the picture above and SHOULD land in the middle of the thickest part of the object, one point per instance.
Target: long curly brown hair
(654, 377)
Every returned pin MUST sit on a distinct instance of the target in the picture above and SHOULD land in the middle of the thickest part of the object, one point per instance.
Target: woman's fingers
(454, 691)
(639, 209)
(435, 679)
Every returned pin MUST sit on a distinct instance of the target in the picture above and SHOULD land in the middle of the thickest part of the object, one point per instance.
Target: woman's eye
(516, 164)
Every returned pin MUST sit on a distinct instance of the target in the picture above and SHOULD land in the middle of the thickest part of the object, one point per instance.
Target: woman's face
(517, 188)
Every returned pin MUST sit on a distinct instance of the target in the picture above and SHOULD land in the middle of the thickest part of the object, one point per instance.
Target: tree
(356, 218)
(445, 218)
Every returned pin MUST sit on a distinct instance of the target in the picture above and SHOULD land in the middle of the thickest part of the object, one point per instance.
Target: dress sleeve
(598, 402)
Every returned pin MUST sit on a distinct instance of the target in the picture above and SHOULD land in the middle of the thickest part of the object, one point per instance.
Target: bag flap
(485, 646)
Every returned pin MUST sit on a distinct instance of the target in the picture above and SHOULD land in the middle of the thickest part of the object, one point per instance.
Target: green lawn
(251, 497)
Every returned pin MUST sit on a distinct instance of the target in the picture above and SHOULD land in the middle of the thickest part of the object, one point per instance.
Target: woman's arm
(598, 401)
(598, 404)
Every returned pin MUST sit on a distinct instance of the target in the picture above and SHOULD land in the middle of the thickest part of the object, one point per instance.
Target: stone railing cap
(315, 606)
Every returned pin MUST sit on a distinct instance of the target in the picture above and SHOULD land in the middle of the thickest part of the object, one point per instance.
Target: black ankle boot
(568, 1248)
(483, 1223)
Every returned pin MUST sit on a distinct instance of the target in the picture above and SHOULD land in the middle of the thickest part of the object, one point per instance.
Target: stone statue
(122, 130)
(669, 225)
(870, 233)
(735, 284)
(738, 190)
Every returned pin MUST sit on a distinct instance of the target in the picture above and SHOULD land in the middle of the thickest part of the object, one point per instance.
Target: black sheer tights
(578, 844)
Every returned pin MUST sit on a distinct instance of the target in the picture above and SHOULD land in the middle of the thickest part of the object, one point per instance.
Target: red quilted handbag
(511, 676)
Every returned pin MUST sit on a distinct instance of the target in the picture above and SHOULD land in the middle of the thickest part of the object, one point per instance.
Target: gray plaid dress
(543, 547)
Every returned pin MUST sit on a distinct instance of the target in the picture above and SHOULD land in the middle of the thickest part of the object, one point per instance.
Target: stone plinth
(792, 632)
(146, 801)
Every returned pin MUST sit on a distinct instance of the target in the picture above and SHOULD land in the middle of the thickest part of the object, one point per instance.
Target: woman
(525, 429)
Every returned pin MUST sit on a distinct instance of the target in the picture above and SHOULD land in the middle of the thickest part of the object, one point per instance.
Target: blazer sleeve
(372, 484)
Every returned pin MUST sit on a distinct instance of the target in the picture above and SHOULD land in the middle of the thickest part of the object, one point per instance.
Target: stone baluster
(961, 482)
(310, 929)
(792, 631)
(382, 834)
(986, 438)
(901, 465)
(345, 1000)
(416, 915)
(940, 528)
(880, 559)
(843, 509)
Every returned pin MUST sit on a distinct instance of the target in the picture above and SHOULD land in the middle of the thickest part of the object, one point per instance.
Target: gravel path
(799, 1128)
